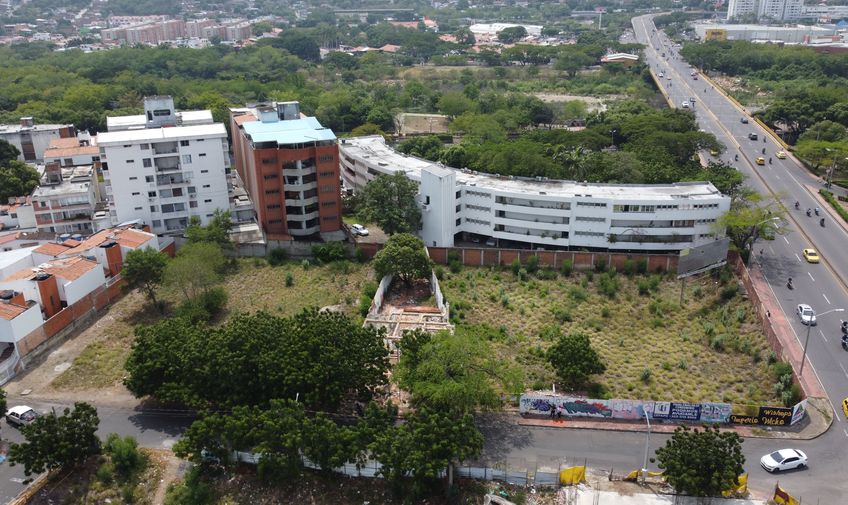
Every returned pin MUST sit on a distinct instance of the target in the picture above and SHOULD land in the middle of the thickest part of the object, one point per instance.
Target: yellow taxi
(781, 155)
(761, 160)
(811, 256)
(845, 406)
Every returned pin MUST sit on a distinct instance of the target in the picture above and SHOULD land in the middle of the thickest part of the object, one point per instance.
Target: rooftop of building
(15, 128)
(11, 257)
(67, 268)
(761, 28)
(184, 118)
(374, 147)
(65, 188)
(153, 134)
(69, 147)
(9, 311)
(619, 56)
(128, 237)
(290, 131)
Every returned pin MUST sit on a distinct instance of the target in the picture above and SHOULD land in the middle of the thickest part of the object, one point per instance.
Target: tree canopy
(145, 269)
(702, 462)
(403, 256)
(574, 359)
(57, 441)
(320, 357)
(389, 201)
(16, 177)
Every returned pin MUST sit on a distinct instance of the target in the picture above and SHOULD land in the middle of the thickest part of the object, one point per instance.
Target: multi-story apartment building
(739, 8)
(783, 10)
(164, 166)
(73, 151)
(33, 139)
(66, 201)
(290, 168)
(547, 213)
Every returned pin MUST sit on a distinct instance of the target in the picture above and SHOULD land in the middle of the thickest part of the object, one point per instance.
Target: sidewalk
(836, 218)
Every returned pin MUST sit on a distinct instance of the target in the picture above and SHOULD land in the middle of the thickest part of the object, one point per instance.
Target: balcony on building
(172, 180)
(164, 148)
(166, 164)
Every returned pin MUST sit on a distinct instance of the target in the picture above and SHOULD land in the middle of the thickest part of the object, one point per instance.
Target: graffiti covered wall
(543, 404)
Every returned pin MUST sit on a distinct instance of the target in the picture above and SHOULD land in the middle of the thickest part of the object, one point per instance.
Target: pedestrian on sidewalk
(553, 411)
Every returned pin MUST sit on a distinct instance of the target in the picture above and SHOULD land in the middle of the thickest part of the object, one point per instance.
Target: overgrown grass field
(707, 349)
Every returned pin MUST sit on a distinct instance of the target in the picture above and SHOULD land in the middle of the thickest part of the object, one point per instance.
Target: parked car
(358, 229)
(784, 459)
(752, 136)
(21, 415)
(806, 313)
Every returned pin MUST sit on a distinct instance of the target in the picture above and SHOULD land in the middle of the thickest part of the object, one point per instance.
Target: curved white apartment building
(546, 213)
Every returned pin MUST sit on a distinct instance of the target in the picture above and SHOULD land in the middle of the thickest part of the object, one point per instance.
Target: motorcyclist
(797, 205)
(769, 161)
(789, 283)
(809, 212)
(764, 150)
(735, 157)
(821, 222)
(817, 211)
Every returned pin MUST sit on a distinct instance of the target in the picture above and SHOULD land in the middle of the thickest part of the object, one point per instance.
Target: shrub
(645, 376)
(439, 271)
(577, 293)
(642, 266)
(566, 268)
(329, 251)
(600, 265)
(828, 196)
(643, 286)
(522, 274)
(729, 291)
(289, 280)
(780, 369)
(608, 284)
(590, 276)
(562, 314)
(205, 306)
(305, 264)
(718, 342)
(359, 255)
(629, 267)
(605, 312)
(104, 473)
(126, 458)
(516, 266)
(547, 274)
(772, 358)
(277, 256)
(532, 264)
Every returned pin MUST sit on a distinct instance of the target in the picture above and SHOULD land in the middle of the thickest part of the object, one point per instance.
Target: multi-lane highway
(823, 286)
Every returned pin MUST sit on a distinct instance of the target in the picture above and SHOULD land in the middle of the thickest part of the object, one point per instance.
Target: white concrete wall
(21, 326)
(72, 291)
(438, 216)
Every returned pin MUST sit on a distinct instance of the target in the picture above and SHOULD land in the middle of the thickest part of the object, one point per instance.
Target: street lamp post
(807, 339)
(647, 446)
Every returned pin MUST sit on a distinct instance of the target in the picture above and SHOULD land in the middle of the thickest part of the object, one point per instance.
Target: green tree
(301, 45)
(404, 257)
(389, 201)
(17, 179)
(751, 216)
(454, 103)
(452, 372)
(425, 446)
(512, 34)
(574, 359)
(196, 269)
(145, 269)
(58, 441)
(322, 358)
(702, 463)
(8, 152)
(124, 454)
(464, 36)
(217, 230)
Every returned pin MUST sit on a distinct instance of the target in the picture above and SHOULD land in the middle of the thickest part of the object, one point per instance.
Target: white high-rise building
(164, 166)
(779, 10)
(739, 8)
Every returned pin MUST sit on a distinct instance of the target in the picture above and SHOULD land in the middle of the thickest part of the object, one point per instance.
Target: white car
(685, 105)
(807, 314)
(21, 415)
(358, 229)
(784, 459)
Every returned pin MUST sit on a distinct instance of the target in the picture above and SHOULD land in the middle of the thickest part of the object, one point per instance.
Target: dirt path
(173, 469)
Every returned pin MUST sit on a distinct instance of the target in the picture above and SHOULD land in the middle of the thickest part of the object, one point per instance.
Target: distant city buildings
(33, 139)
(158, 31)
(783, 10)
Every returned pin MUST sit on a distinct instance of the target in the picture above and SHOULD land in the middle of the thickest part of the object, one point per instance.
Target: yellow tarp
(781, 497)
(572, 476)
(742, 488)
(634, 475)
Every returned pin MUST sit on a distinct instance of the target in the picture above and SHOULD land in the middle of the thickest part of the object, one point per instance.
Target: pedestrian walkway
(593, 497)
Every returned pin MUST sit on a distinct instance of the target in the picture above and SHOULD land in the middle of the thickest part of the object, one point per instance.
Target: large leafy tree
(403, 256)
(57, 441)
(751, 216)
(702, 462)
(300, 44)
(451, 372)
(16, 177)
(216, 231)
(145, 269)
(512, 34)
(418, 451)
(318, 357)
(389, 201)
(574, 359)
(196, 268)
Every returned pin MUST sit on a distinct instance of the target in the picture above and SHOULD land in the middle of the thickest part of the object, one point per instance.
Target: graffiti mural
(545, 404)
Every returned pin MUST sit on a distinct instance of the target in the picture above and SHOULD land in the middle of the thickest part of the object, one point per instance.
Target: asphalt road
(158, 430)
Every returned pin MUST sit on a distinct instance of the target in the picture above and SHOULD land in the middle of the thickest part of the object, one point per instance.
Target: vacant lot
(103, 348)
(708, 349)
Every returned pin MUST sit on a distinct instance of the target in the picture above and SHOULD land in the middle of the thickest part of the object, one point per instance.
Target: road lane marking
(808, 273)
(843, 370)
(825, 299)
(822, 334)
(785, 239)
(798, 258)
(771, 249)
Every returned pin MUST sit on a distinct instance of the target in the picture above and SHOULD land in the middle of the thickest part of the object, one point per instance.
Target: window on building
(144, 146)
(192, 189)
(273, 206)
(187, 159)
(328, 189)
(328, 218)
(326, 157)
(202, 155)
(204, 171)
(328, 204)
(207, 185)
(67, 162)
(133, 178)
(272, 191)
(458, 221)
(151, 194)
(136, 193)
(275, 221)
(148, 178)
(268, 177)
(130, 161)
(184, 143)
(152, 208)
(268, 161)
(192, 204)
(138, 208)
(147, 163)
(157, 223)
(207, 201)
